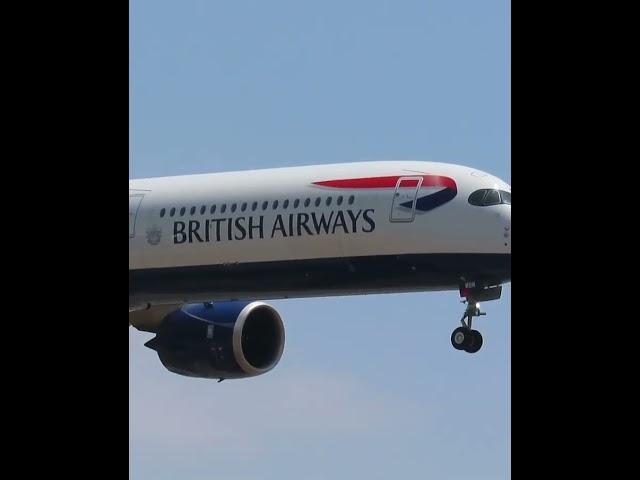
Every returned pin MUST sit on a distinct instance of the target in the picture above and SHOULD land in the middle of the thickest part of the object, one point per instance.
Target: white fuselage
(305, 230)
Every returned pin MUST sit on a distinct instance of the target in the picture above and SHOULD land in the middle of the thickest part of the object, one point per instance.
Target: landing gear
(464, 337)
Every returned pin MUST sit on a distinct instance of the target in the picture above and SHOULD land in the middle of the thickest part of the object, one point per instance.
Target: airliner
(206, 251)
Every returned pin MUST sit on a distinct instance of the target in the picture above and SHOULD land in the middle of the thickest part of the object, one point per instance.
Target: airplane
(206, 250)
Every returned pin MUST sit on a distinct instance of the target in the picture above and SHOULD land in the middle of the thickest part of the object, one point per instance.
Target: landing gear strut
(464, 337)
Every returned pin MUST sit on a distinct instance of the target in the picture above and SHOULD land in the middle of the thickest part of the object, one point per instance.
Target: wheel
(476, 342)
(460, 337)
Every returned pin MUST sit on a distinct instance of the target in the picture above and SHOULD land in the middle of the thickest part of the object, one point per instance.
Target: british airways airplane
(205, 250)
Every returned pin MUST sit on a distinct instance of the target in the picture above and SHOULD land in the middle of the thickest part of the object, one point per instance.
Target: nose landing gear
(464, 337)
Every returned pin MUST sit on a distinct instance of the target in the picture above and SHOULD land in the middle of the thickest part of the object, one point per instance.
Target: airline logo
(256, 227)
(442, 189)
(433, 191)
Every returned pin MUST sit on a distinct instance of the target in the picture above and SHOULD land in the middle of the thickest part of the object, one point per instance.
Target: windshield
(489, 196)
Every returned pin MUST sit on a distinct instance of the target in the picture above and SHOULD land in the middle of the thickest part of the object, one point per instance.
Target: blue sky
(368, 386)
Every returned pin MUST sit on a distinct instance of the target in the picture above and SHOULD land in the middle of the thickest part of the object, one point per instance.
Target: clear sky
(368, 387)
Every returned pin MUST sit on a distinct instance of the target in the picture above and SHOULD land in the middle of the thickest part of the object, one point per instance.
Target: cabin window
(296, 203)
(275, 204)
(307, 202)
(254, 206)
(339, 202)
(243, 207)
(182, 211)
(162, 212)
(223, 208)
(285, 204)
(193, 210)
(234, 207)
(265, 204)
(318, 200)
(329, 199)
(203, 209)
(173, 211)
(351, 199)
(213, 209)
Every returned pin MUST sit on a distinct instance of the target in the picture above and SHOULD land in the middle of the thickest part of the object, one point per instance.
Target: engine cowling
(223, 340)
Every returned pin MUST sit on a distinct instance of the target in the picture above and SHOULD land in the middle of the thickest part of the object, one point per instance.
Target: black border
(563, 303)
(66, 328)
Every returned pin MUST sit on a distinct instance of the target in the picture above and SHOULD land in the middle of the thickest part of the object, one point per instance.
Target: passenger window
(296, 203)
(233, 208)
(213, 209)
(275, 204)
(173, 211)
(307, 202)
(243, 207)
(351, 199)
(193, 210)
(254, 206)
(492, 198)
(162, 212)
(182, 210)
(285, 204)
(506, 197)
(329, 201)
(265, 204)
(318, 200)
(203, 209)
(339, 202)
(223, 208)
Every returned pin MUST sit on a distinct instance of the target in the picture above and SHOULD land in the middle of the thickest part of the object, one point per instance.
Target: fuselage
(343, 229)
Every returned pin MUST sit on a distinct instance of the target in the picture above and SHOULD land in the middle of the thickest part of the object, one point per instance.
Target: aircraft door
(134, 206)
(403, 208)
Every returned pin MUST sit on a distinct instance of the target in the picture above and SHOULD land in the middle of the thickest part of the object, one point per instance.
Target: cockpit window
(487, 196)
(492, 198)
(477, 197)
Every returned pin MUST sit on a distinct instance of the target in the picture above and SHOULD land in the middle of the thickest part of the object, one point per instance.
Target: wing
(147, 319)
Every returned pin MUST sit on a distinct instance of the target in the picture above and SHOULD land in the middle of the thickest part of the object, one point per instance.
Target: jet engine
(222, 340)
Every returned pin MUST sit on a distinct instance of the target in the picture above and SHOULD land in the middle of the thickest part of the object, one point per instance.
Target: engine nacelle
(222, 340)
